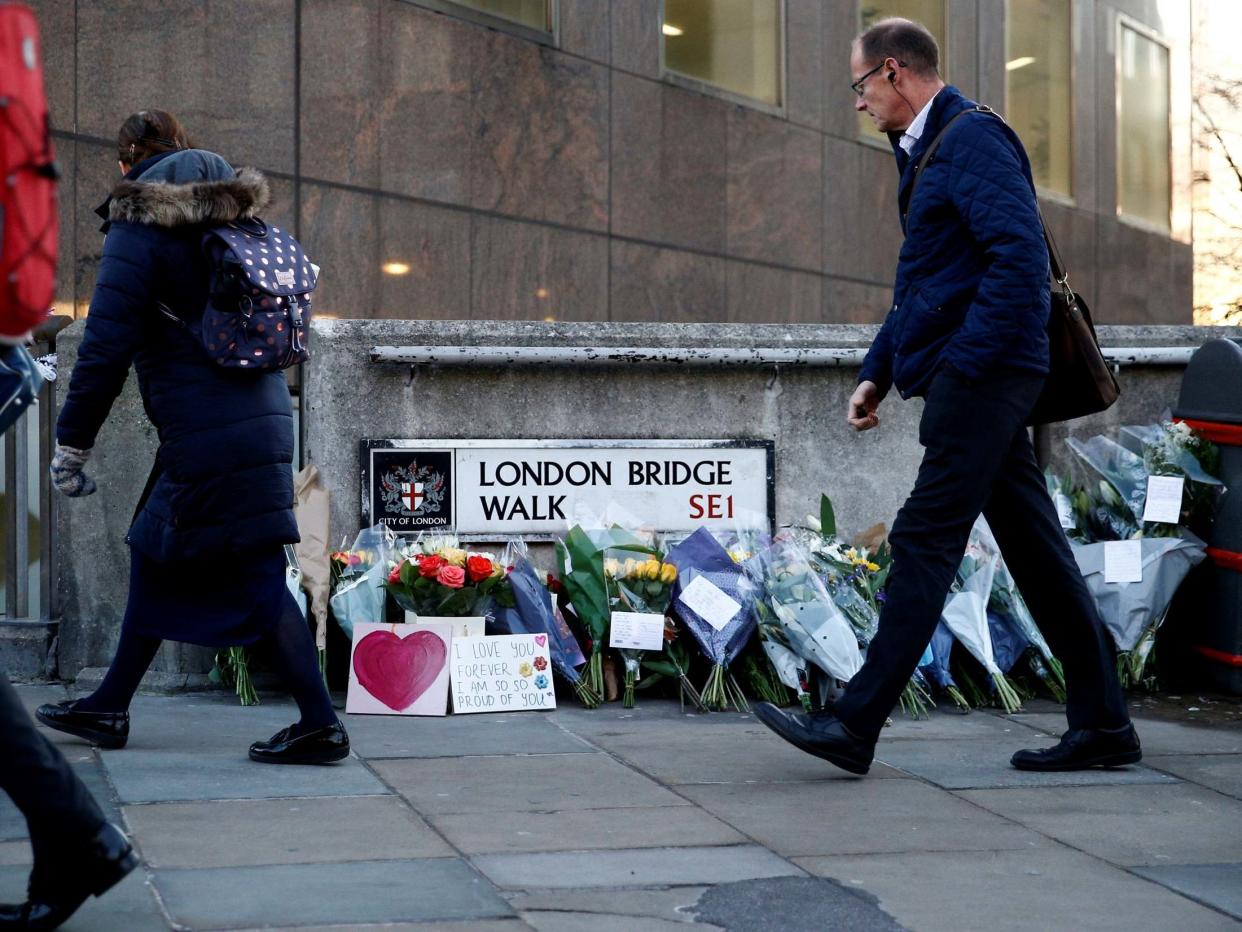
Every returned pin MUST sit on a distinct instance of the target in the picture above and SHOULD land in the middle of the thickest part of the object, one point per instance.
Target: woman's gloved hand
(67, 474)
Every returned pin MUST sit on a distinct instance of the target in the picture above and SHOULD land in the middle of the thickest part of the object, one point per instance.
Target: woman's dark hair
(909, 42)
(148, 133)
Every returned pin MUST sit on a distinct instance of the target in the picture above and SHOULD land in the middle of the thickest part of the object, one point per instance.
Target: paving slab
(1216, 885)
(385, 736)
(470, 925)
(793, 904)
(1161, 737)
(581, 829)
(606, 922)
(959, 765)
(945, 723)
(354, 893)
(294, 831)
(673, 904)
(1019, 891)
(613, 717)
(130, 906)
(1220, 772)
(632, 867)
(538, 782)
(861, 816)
(16, 852)
(1128, 825)
(747, 754)
(204, 722)
(163, 776)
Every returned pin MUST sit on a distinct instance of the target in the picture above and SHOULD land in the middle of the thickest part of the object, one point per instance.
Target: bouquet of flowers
(935, 665)
(796, 611)
(1113, 509)
(434, 576)
(1134, 612)
(855, 580)
(358, 576)
(715, 601)
(1011, 622)
(642, 584)
(534, 612)
(580, 558)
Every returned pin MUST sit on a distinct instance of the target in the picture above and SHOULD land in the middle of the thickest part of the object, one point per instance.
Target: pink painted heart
(541, 639)
(397, 670)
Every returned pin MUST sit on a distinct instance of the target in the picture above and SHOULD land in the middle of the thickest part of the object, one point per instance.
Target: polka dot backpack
(259, 305)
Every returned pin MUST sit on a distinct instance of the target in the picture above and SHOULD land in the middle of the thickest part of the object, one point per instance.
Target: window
(928, 12)
(1038, 99)
(1143, 170)
(734, 45)
(537, 15)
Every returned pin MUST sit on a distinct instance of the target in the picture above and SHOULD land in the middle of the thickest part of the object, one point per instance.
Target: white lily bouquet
(799, 616)
(966, 615)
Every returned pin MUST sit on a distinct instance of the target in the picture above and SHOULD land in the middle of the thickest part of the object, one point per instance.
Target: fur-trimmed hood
(165, 204)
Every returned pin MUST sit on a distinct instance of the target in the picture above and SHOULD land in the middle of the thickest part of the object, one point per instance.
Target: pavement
(648, 820)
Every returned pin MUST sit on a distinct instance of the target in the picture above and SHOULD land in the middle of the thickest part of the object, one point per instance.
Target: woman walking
(207, 562)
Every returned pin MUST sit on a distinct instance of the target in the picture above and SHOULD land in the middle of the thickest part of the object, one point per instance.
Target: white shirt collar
(915, 129)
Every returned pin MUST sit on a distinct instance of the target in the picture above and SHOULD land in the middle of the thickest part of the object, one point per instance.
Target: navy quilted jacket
(972, 285)
(223, 476)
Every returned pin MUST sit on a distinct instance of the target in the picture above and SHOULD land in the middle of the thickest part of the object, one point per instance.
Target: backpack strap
(1055, 264)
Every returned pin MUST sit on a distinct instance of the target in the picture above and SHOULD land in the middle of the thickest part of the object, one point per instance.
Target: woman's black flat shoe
(323, 746)
(106, 729)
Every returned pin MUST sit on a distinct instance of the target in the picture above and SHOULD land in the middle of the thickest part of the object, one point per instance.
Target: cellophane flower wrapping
(358, 576)
(638, 582)
(701, 555)
(534, 612)
(580, 563)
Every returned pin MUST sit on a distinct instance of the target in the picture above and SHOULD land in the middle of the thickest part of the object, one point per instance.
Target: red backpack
(27, 177)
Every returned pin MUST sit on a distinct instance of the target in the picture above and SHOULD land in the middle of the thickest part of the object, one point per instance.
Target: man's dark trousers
(60, 811)
(978, 458)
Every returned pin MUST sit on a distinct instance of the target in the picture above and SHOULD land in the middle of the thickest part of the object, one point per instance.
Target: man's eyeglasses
(857, 86)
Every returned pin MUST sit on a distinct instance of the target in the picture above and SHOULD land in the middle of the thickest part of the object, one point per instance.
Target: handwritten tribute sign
(503, 673)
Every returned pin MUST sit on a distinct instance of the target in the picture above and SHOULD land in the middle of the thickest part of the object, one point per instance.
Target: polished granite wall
(521, 181)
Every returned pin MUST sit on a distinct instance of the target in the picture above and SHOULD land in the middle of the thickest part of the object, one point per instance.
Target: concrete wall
(348, 398)
(523, 181)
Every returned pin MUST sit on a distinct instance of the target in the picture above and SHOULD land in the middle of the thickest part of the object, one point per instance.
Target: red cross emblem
(412, 495)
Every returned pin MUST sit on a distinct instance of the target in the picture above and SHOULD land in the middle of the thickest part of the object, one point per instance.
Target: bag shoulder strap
(1056, 265)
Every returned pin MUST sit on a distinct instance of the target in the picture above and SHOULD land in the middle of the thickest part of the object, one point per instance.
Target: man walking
(967, 332)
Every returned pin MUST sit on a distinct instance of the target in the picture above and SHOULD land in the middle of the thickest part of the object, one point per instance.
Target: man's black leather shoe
(1081, 749)
(92, 870)
(821, 734)
(106, 729)
(322, 746)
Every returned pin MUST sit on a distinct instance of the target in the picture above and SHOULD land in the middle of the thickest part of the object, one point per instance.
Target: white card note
(710, 602)
(637, 631)
(1164, 499)
(1065, 510)
(1123, 561)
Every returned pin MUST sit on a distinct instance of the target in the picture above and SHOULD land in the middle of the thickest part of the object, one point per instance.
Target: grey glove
(67, 474)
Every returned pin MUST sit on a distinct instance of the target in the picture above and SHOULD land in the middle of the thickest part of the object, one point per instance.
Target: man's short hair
(905, 40)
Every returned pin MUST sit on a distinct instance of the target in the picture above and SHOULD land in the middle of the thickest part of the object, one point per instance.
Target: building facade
(633, 160)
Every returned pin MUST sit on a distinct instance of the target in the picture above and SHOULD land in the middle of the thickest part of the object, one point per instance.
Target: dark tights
(288, 646)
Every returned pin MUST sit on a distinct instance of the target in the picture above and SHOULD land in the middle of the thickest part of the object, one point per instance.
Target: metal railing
(29, 564)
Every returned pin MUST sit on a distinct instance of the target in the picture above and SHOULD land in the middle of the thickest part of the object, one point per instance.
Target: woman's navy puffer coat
(223, 478)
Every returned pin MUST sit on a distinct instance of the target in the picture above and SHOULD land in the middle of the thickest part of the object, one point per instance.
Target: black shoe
(322, 746)
(94, 869)
(1083, 748)
(820, 734)
(106, 729)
